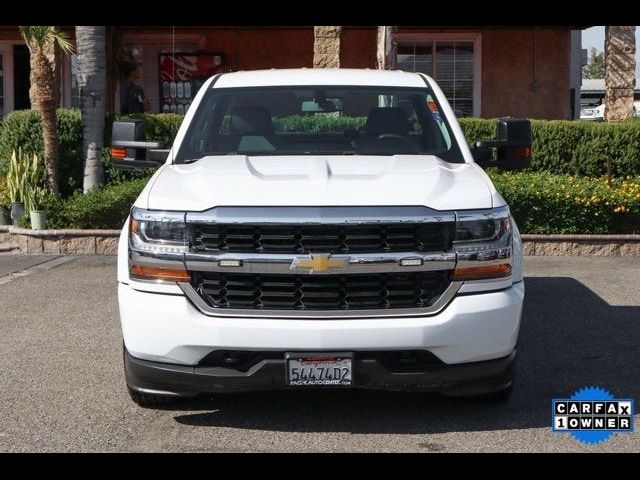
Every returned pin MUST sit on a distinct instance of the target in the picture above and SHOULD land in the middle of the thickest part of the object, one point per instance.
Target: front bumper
(169, 329)
(186, 381)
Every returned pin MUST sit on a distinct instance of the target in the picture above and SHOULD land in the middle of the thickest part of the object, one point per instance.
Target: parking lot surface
(63, 386)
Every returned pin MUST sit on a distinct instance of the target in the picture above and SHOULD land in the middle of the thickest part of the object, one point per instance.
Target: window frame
(475, 37)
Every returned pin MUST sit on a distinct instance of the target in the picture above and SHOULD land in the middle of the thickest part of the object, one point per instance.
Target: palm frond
(40, 35)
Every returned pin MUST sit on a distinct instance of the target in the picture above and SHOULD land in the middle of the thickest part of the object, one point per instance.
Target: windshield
(319, 121)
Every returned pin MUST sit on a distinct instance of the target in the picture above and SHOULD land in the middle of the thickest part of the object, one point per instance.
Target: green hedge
(106, 207)
(22, 129)
(560, 147)
(540, 203)
(317, 123)
(545, 203)
(574, 147)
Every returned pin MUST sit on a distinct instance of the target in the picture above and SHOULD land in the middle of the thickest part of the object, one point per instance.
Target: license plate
(311, 369)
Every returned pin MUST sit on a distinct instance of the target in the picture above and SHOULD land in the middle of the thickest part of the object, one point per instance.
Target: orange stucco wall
(507, 58)
(508, 73)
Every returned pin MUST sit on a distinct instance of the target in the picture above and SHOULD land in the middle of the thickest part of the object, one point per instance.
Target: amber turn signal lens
(117, 152)
(483, 271)
(144, 272)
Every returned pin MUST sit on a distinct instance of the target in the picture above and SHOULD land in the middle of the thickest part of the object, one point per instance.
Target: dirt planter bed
(105, 242)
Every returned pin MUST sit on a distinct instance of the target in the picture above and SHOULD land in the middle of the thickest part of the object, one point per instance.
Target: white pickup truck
(320, 229)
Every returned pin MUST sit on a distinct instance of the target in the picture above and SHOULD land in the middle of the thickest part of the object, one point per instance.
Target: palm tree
(42, 41)
(620, 72)
(92, 81)
(384, 48)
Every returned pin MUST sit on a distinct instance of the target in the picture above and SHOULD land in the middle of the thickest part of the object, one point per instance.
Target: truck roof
(319, 76)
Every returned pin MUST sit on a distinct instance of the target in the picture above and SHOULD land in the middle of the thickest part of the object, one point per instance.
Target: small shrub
(106, 207)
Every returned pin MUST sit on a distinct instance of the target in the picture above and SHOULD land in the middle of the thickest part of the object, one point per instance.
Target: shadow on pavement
(570, 338)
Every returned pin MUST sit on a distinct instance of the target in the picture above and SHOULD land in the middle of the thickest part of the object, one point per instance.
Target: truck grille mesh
(228, 238)
(320, 292)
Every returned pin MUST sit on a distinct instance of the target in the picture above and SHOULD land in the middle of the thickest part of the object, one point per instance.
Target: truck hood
(239, 180)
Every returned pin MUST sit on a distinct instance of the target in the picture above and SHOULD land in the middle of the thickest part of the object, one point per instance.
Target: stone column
(620, 72)
(326, 47)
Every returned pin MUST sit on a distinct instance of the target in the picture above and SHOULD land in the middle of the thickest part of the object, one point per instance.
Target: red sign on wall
(182, 75)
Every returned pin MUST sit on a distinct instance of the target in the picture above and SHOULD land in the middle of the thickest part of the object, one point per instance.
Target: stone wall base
(59, 242)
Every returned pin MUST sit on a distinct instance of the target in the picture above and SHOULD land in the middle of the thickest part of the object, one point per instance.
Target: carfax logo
(592, 415)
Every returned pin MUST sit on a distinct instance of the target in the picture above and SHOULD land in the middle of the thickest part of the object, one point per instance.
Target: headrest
(387, 120)
(250, 120)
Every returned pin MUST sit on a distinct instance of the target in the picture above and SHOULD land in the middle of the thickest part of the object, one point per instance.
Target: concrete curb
(105, 242)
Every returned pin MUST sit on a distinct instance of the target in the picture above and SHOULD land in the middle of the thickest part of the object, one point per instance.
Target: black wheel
(150, 399)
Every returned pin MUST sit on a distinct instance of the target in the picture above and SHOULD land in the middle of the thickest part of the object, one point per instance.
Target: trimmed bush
(317, 123)
(545, 203)
(540, 203)
(106, 207)
(22, 129)
(574, 147)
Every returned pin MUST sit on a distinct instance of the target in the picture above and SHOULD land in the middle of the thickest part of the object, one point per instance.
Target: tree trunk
(620, 75)
(384, 50)
(46, 100)
(92, 81)
(326, 47)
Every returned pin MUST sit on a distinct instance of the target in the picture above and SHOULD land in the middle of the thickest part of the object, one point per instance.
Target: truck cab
(320, 228)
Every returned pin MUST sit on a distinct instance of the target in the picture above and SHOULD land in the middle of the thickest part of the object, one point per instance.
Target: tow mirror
(130, 151)
(512, 143)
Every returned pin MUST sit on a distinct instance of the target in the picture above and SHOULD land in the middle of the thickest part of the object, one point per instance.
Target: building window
(451, 63)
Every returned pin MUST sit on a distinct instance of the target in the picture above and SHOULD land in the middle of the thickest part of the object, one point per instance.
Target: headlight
(157, 232)
(483, 244)
(154, 234)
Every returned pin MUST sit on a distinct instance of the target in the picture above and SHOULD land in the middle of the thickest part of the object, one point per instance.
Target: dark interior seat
(251, 120)
(386, 131)
(251, 129)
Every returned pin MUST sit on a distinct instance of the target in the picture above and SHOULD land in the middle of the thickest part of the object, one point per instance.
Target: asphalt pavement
(62, 385)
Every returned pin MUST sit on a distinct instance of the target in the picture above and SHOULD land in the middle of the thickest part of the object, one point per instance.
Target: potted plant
(38, 216)
(4, 203)
(15, 180)
(33, 194)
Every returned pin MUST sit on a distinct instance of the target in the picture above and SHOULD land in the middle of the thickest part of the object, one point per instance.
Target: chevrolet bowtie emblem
(318, 263)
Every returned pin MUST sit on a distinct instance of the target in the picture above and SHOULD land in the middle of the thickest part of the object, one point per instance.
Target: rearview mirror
(512, 143)
(130, 151)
